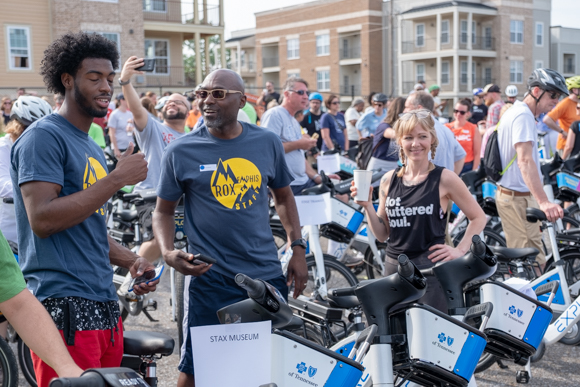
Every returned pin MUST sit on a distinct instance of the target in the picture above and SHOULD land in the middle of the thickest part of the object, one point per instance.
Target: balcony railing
(478, 82)
(350, 53)
(350, 90)
(270, 61)
(425, 45)
(180, 11)
(246, 67)
(175, 76)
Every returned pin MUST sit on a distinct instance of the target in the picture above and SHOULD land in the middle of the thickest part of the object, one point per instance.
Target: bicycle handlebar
(256, 289)
(405, 268)
(341, 292)
(8, 200)
(91, 379)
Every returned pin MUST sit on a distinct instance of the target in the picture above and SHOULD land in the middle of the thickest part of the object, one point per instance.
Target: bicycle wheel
(372, 267)
(8, 366)
(570, 222)
(485, 361)
(280, 238)
(25, 361)
(179, 286)
(491, 238)
(337, 275)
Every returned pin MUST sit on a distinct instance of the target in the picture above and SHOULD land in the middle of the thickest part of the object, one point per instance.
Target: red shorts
(92, 349)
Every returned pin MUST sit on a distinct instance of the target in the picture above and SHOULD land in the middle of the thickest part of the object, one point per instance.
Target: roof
(450, 4)
(238, 38)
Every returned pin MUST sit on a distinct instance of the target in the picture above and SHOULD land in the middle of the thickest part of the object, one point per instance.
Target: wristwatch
(299, 242)
(124, 83)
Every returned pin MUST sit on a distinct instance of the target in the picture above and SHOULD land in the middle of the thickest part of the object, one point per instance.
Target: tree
(189, 57)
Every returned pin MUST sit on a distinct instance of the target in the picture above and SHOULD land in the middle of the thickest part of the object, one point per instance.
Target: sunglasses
(420, 114)
(300, 92)
(335, 103)
(7, 103)
(215, 93)
(554, 95)
(459, 111)
(378, 104)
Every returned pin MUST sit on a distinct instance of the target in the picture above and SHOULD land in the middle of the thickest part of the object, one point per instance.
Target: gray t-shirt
(152, 140)
(279, 121)
(225, 183)
(118, 120)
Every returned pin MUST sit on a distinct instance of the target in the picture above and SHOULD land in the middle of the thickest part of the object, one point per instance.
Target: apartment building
(335, 45)
(460, 45)
(242, 47)
(565, 49)
(150, 28)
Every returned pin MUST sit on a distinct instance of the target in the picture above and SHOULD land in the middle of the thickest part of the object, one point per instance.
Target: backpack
(365, 151)
(492, 157)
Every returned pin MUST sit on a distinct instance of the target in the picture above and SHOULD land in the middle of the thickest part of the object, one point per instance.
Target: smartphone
(199, 259)
(149, 66)
(147, 277)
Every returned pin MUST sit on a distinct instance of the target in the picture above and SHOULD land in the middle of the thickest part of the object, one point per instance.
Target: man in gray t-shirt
(152, 136)
(120, 129)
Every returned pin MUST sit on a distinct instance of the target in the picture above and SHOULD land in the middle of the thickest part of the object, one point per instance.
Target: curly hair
(65, 55)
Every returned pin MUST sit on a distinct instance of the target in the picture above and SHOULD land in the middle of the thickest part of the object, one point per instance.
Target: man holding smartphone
(225, 169)
(61, 189)
(152, 136)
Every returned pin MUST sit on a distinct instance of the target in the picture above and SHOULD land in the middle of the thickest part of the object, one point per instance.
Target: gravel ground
(558, 368)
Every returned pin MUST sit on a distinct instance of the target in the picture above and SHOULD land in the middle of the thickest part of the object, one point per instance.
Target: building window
(113, 37)
(158, 49)
(487, 76)
(488, 38)
(473, 73)
(445, 73)
(295, 74)
(539, 34)
(420, 35)
(19, 48)
(154, 5)
(473, 28)
(323, 80)
(569, 63)
(464, 35)
(517, 31)
(516, 71)
(539, 64)
(463, 72)
(293, 48)
(323, 44)
(420, 70)
(444, 31)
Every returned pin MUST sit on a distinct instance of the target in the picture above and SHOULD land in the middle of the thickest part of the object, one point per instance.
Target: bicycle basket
(568, 186)
(345, 221)
(439, 349)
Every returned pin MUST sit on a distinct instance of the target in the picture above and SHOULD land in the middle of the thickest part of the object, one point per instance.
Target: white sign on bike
(232, 354)
(329, 163)
(312, 209)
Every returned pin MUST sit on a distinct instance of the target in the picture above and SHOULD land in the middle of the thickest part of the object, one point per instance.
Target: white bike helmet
(511, 91)
(28, 109)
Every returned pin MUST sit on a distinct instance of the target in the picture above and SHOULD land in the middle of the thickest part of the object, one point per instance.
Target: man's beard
(174, 116)
(220, 121)
(86, 106)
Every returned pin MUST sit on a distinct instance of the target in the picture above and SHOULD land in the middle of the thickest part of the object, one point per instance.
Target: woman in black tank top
(413, 200)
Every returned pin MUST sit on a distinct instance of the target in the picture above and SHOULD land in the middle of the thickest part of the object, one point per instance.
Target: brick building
(335, 45)
(150, 28)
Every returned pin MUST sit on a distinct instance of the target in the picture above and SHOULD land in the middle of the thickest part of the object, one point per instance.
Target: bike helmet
(315, 95)
(573, 82)
(511, 91)
(548, 80)
(28, 109)
(380, 97)
(477, 91)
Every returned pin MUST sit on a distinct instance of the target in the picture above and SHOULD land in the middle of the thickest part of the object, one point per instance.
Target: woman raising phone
(413, 197)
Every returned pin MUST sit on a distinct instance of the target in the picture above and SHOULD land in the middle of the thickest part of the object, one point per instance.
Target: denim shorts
(206, 295)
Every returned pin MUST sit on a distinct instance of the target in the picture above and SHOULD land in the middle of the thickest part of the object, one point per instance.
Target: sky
(239, 14)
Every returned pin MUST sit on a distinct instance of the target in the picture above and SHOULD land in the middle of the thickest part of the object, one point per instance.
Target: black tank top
(415, 216)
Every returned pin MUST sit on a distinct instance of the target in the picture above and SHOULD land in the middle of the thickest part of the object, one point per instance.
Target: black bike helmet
(28, 109)
(548, 80)
(380, 97)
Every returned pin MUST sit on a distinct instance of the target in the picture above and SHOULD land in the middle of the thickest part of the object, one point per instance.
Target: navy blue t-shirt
(388, 149)
(74, 262)
(336, 131)
(225, 183)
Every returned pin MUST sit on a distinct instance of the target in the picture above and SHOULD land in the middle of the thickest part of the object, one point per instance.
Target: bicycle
(8, 365)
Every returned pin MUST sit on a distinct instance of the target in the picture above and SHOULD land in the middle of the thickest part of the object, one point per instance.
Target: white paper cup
(362, 182)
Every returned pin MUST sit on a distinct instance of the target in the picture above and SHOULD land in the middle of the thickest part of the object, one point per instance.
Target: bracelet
(124, 83)
(315, 176)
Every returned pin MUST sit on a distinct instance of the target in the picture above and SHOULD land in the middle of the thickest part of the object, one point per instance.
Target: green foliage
(189, 56)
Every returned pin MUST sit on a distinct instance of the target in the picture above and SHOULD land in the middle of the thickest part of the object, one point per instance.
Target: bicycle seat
(343, 302)
(141, 343)
(148, 195)
(535, 214)
(506, 254)
(128, 215)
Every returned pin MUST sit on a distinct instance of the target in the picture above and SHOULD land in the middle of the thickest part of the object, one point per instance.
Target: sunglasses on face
(420, 114)
(334, 103)
(7, 103)
(300, 92)
(459, 111)
(215, 93)
(554, 95)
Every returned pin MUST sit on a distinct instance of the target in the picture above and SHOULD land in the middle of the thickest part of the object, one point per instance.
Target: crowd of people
(205, 148)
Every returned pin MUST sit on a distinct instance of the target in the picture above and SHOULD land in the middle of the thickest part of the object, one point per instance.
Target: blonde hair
(505, 108)
(405, 125)
(4, 99)
(14, 128)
